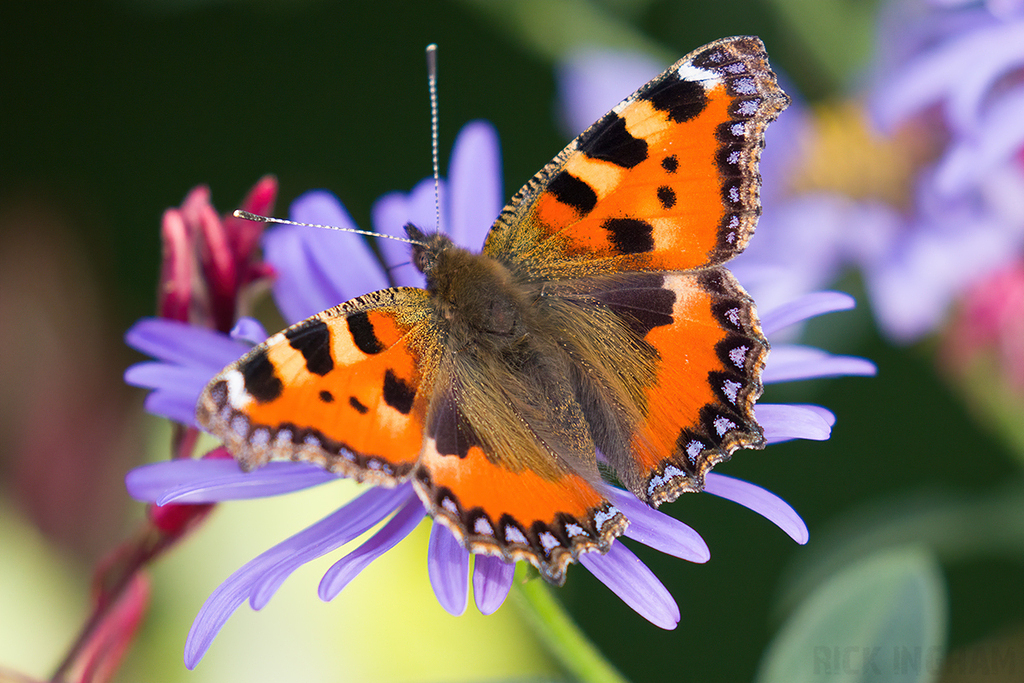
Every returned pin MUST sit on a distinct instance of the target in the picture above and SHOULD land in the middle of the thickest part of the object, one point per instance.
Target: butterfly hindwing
(343, 389)
(545, 517)
(700, 406)
(672, 370)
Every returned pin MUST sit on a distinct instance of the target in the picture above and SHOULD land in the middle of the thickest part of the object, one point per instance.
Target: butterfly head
(427, 248)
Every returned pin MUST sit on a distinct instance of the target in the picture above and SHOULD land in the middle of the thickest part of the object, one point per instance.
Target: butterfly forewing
(346, 389)
(665, 181)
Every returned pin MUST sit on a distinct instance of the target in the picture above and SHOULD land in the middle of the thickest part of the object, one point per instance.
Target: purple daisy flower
(309, 281)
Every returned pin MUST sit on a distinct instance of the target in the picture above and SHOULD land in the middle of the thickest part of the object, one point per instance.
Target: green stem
(562, 636)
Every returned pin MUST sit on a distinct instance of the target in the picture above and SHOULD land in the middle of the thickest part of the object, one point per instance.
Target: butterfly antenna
(267, 219)
(432, 85)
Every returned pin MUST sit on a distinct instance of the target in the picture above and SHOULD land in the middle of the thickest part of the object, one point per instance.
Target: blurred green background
(111, 111)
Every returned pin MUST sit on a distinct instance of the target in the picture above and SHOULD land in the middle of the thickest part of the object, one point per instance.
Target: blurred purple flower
(308, 281)
(953, 71)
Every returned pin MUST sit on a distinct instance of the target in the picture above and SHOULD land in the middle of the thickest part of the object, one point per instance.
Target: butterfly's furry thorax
(474, 294)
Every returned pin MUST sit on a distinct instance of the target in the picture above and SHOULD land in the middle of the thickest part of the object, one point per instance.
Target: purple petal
(321, 207)
(299, 290)
(804, 308)
(630, 579)
(348, 567)
(390, 213)
(804, 242)
(167, 377)
(657, 530)
(176, 406)
(784, 422)
(492, 581)
(470, 200)
(318, 268)
(249, 330)
(448, 567)
(792, 362)
(216, 480)
(394, 210)
(421, 206)
(176, 387)
(360, 516)
(266, 571)
(177, 342)
(915, 281)
(347, 260)
(763, 502)
(592, 81)
(972, 157)
(942, 71)
(474, 176)
(1002, 57)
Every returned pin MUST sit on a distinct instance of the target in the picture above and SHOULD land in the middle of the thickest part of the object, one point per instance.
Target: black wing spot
(362, 333)
(261, 381)
(326, 396)
(313, 341)
(667, 196)
(357, 404)
(397, 393)
(670, 163)
(630, 235)
(571, 191)
(681, 99)
(608, 140)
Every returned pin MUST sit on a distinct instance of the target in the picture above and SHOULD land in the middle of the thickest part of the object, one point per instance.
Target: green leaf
(881, 619)
(955, 525)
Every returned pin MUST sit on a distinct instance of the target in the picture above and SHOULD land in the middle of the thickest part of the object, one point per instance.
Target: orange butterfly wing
(546, 517)
(344, 389)
(699, 407)
(663, 190)
(667, 180)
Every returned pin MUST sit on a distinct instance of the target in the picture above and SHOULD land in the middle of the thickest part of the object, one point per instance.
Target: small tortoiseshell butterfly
(598, 329)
